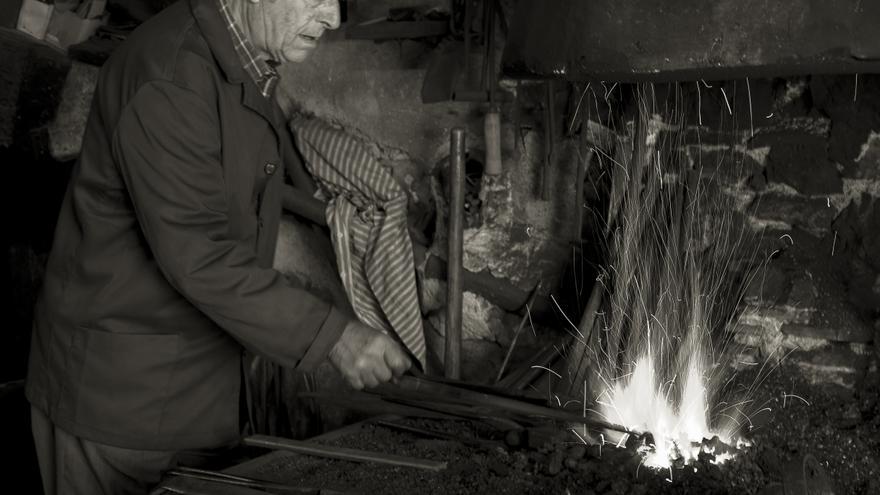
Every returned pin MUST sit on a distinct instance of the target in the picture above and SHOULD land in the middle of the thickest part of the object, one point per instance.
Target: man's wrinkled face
(288, 30)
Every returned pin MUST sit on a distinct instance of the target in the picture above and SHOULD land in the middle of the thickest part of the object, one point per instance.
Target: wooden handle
(492, 130)
(300, 202)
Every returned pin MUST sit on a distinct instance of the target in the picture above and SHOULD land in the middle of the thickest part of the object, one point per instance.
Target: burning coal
(675, 275)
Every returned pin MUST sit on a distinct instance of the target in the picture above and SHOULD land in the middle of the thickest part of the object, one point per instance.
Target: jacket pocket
(124, 383)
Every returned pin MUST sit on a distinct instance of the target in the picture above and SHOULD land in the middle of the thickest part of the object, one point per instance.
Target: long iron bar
(425, 392)
(522, 323)
(315, 449)
(452, 356)
(229, 479)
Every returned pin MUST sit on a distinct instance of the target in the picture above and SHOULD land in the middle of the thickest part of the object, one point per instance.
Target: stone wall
(799, 159)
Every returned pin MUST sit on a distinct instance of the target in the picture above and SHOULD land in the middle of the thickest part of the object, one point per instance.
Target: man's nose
(330, 16)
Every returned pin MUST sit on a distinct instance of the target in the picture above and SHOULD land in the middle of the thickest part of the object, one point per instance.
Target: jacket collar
(210, 22)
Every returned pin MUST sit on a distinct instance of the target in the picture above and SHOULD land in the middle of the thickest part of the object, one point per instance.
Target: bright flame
(640, 404)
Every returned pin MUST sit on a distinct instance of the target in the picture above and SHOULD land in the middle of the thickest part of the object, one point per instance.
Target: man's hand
(368, 357)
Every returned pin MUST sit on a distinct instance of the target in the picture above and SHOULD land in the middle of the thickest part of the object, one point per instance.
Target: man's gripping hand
(367, 357)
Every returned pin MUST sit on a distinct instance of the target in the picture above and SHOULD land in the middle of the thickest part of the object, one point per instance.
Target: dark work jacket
(160, 270)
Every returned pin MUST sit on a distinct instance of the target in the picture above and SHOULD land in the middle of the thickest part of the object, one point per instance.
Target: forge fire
(675, 277)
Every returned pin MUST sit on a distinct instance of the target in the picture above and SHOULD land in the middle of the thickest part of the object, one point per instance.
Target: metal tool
(549, 135)
(522, 323)
(424, 432)
(481, 414)
(450, 399)
(540, 362)
(229, 479)
(345, 454)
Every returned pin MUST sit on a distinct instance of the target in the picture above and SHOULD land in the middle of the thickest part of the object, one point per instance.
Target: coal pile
(837, 428)
(559, 466)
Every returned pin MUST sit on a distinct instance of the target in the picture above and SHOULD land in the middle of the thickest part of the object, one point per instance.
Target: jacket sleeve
(168, 148)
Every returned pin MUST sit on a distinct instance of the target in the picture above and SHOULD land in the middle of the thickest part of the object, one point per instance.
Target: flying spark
(661, 352)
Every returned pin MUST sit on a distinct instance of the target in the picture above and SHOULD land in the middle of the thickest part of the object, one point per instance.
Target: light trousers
(70, 465)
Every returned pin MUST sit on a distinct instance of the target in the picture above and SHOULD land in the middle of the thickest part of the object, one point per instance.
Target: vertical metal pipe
(583, 165)
(452, 356)
(549, 135)
(467, 42)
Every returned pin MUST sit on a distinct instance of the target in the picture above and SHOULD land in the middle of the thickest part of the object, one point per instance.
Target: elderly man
(161, 270)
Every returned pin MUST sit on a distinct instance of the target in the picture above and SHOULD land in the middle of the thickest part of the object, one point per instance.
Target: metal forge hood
(663, 40)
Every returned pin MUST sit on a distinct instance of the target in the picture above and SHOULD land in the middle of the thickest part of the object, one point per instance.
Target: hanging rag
(366, 212)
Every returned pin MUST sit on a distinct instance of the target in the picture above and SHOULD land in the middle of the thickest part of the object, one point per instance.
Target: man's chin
(297, 55)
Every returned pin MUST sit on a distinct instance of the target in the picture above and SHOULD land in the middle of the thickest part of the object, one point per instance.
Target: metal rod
(341, 453)
(467, 42)
(228, 479)
(454, 274)
(521, 378)
(589, 342)
(488, 48)
(583, 166)
(549, 134)
(522, 323)
(452, 399)
(544, 360)
(493, 75)
(424, 432)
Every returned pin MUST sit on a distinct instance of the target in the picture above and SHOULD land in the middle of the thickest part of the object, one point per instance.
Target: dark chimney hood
(665, 40)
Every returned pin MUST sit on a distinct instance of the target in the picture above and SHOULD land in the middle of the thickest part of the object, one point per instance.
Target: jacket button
(269, 168)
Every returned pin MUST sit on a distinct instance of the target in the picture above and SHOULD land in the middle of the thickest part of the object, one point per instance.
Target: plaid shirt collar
(264, 75)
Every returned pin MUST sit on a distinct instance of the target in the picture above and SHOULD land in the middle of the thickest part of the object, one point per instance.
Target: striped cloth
(366, 212)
